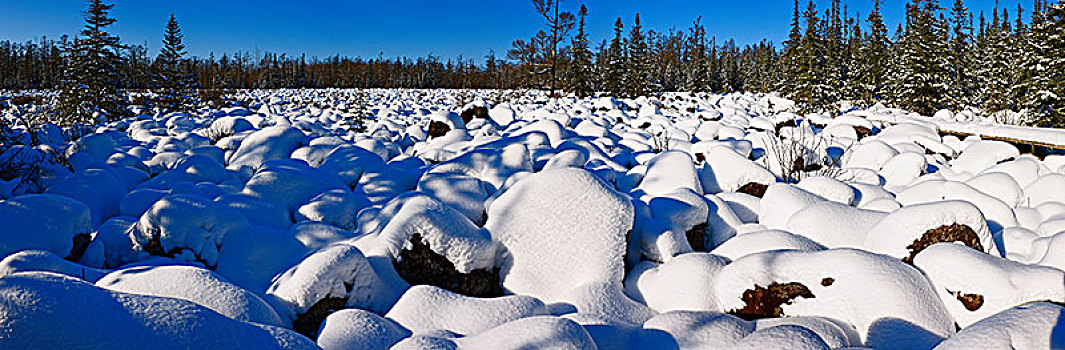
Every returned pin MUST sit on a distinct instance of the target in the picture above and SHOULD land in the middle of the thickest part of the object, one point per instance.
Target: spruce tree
(579, 75)
(697, 60)
(812, 89)
(175, 87)
(89, 92)
(638, 81)
(961, 57)
(616, 66)
(790, 70)
(921, 85)
(994, 73)
(1045, 66)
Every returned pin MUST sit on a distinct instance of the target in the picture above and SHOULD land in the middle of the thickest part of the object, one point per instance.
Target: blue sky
(405, 28)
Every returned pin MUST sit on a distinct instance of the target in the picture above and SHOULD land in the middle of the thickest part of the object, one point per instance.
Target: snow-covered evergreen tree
(580, 72)
(789, 67)
(812, 89)
(1045, 66)
(921, 84)
(994, 72)
(638, 80)
(962, 91)
(697, 72)
(89, 92)
(175, 87)
(615, 66)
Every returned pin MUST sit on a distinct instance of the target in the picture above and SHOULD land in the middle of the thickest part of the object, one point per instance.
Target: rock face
(561, 228)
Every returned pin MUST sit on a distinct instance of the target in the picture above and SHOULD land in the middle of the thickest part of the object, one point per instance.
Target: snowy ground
(514, 221)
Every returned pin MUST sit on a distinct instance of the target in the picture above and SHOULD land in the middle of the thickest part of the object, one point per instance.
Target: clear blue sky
(406, 27)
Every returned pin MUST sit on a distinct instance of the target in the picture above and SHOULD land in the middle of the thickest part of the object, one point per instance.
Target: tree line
(938, 58)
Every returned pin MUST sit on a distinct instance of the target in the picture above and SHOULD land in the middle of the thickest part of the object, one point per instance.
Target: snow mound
(542, 332)
(682, 283)
(43, 260)
(272, 143)
(193, 284)
(982, 155)
(188, 228)
(333, 278)
(833, 224)
(975, 285)
(1030, 326)
(34, 305)
(44, 221)
(290, 184)
(890, 303)
(97, 188)
(728, 171)
(561, 228)
(763, 241)
(428, 308)
(354, 329)
(669, 171)
(906, 232)
(781, 201)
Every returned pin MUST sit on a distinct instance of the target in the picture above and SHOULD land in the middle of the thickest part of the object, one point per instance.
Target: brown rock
(946, 233)
(765, 302)
(421, 265)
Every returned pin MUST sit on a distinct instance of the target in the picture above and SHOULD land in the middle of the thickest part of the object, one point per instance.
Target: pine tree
(615, 68)
(994, 73)
(921, 85)
(790, 70)
(698, 62)
(961, 57)
(1045, 66)
(638, 81)
(89, 92)
(176, 88)
(811, 89)
(580, 73)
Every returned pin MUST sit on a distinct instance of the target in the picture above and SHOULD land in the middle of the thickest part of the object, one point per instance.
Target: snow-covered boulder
(1030, 326)
(272, 143)
(354, 329)
(975, 285)
(427, 308)
(50, 222)
(188, 228)
(890, 303)
(910, 230)
(561, 228)
(37, 309)
(193, 284)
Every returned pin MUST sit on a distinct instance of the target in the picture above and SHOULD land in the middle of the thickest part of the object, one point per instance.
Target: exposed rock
(421, 265)
(765, 302)
(754, 189)
(945, 233)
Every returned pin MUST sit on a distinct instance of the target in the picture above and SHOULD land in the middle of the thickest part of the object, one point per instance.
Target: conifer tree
(921, 85)
(994, 73)
(89, 92)
(812, 89)
(579, 75)
(638, 81)
(176, 88)
(961, 91)
(790, 70)
(615, 69)
(698, 62)
(1045, 66)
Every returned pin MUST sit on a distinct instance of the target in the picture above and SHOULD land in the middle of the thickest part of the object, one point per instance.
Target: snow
(444, 229)
(42, 221)
(327, 274)
(561, 228)
(895, 232)
(194, 284)
(1029, 326)
(427, 308)
(682, 283)
(891, 304)
(354, 329)
(34, 305)
(272, 143)
(229, 221)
